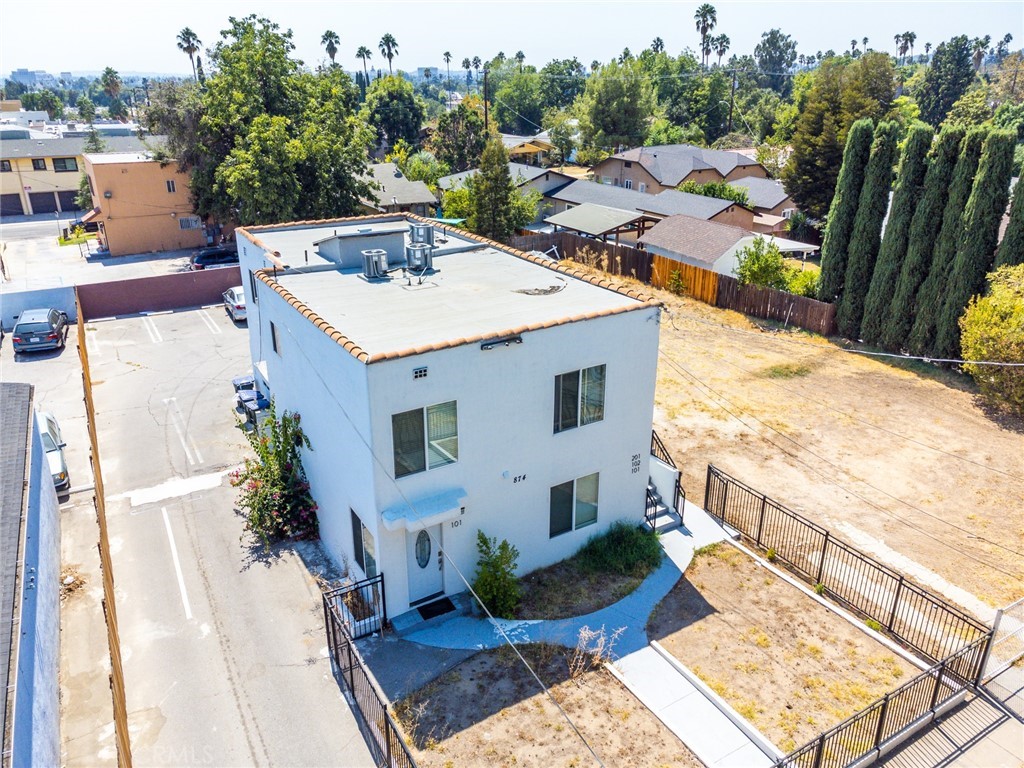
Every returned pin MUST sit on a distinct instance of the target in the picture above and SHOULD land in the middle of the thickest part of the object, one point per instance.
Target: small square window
(170, 185)
(628, 164)
(39, 164)
(5, 166)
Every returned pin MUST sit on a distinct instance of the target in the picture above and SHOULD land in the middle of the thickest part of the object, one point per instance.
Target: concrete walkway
(718, 736)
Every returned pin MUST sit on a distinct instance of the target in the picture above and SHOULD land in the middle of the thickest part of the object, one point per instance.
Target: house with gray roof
(394, 193)
(666, 166)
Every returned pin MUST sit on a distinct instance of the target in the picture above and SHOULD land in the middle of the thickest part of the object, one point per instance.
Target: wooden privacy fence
(701, 284)
(121, 736)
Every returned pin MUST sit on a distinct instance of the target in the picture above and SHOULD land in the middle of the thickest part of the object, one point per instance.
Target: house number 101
(636, 463)
(456, 523)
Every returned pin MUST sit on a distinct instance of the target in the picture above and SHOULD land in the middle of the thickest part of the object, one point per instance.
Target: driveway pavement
(223, 644)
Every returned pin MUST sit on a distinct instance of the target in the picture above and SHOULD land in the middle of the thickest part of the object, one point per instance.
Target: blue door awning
(426, 511)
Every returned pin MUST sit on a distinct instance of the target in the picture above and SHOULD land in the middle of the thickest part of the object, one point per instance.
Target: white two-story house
(447, 386)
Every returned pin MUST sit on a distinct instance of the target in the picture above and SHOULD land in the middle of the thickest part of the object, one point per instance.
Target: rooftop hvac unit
(421, 233)
(375, 262)
(419, 256)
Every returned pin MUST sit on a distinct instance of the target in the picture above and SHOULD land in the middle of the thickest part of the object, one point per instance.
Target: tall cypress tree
(1011, 250)
(929, 298)
(924, 228)
(844, 210)
(979, 234)
(913, 166)
(867, 229)
(491, 192)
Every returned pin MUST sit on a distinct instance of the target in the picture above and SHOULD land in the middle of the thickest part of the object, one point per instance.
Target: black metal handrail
(651, 511)
(679, 502)
(362, 606)
(659, 451)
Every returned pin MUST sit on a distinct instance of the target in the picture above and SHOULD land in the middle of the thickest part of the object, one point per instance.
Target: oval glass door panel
(422, 549)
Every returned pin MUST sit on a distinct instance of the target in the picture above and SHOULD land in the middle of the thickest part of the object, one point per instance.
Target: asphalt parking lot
(223, 644)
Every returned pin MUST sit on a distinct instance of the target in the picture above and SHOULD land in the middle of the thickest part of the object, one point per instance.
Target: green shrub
(495, 583)
(624, 548)
(992, 328)
(872, 624)
(819, 588)
(771, 554)
(273, 491)
(803, 282)
(761, 263)
(676, 284)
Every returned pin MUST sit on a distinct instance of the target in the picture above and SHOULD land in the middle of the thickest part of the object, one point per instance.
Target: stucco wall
(14, 302)
(22, 175)
(36, 730)
(737, 216)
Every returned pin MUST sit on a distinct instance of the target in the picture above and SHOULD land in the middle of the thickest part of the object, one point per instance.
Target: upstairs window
(39, 164)
(425, 438)
(65, 164)
(5, 166)
(579, 398)
(170, 186)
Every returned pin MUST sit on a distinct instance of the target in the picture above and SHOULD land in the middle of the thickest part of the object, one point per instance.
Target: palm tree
(904, 47)
(865, 42)
(388, 49)
(898, 39)
(657, 45)
(111, 82)
(188, 43)
(520, 57)
(979, 46)
(853, 48)
(911, 38)
(476, 66)
(329, 40)
(706, 18)
(927, 49)
(364, 53)
(721, 45)
(595, 65)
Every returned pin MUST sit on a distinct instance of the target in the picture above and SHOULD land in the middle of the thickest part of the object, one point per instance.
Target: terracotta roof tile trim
(267, 276)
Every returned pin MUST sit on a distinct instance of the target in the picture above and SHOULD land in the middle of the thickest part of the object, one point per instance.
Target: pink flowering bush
(273, 491)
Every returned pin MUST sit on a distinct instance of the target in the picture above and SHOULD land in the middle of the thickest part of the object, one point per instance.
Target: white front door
(426, 577)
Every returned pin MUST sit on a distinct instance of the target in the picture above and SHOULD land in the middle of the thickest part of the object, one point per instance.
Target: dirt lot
(787, 664)
(900, 459)
(488, 712)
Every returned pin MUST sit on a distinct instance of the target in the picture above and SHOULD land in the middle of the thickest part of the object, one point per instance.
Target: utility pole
(487, 124)
(732, 99)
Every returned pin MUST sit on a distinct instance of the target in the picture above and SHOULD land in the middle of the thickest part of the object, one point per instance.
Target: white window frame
(575, 523)
(628, 184)
(581, 383)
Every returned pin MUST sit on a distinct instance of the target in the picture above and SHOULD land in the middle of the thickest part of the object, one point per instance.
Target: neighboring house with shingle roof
(523, 176)
(42, 175)
(460, 391)
(394, 193)
(708, 244)
(666, 166)
(668, 203)
(766, 195)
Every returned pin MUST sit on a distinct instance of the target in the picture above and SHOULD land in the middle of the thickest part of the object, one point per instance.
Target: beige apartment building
(141, 204)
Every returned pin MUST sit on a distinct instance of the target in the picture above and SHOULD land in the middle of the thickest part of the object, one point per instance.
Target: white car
(234, 303)
(53, 444)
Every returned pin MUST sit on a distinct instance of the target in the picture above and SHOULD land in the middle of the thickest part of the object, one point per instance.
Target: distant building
(666, 166)
(468, 388)
(543, 180)
(141, 204)
(35, 78)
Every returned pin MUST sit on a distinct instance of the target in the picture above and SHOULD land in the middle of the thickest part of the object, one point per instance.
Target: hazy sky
(140, 35)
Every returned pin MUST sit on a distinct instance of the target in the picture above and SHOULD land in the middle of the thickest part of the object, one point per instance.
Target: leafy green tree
(615, 107)
(188, 43)
(562, 81)
(94, 143)
(979, 236)
(561, 128)
(664, 131)
(423, 166)
(393, 109)
(924, 228)
(519, 105)
(330, 40)
(719, 189)
(843, 210)
(929, 299)
(946, 80)
(459, 138)
(867, 229)
(388, 48)
(45, 100)
(1011, 249)
(492, 192)
(761, 263)
(973, 108)
(992, 329)
(909, 183)
(776, 54)
(83, 198)
(86, 109)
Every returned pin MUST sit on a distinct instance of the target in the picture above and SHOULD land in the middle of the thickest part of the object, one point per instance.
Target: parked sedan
(40, 329)
(234, 303)
(53, 444)
(211, 258)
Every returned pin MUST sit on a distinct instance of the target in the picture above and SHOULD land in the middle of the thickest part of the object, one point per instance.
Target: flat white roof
(473, 293)
(295, 244)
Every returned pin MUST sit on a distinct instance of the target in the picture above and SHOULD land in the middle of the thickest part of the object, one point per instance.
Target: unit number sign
(635, 463)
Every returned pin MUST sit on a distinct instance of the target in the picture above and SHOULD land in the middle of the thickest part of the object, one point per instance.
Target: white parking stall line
(205, 317)
(178, 422)
(152, 330)
(177, 565)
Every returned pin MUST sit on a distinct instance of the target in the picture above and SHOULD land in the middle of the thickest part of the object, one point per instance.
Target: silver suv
(40, 329)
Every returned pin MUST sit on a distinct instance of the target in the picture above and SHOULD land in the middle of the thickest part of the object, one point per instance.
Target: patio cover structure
(602, 222)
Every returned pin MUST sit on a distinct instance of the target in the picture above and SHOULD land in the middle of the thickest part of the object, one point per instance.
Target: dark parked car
(211, 258)
(40, 329)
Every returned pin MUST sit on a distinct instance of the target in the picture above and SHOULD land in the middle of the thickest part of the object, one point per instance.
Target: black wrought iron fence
(885, 720)
(922, 621)
(384, 737)
(361, 606)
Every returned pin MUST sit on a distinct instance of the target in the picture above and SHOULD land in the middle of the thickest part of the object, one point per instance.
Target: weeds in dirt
(785, 371)
(594, 647)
